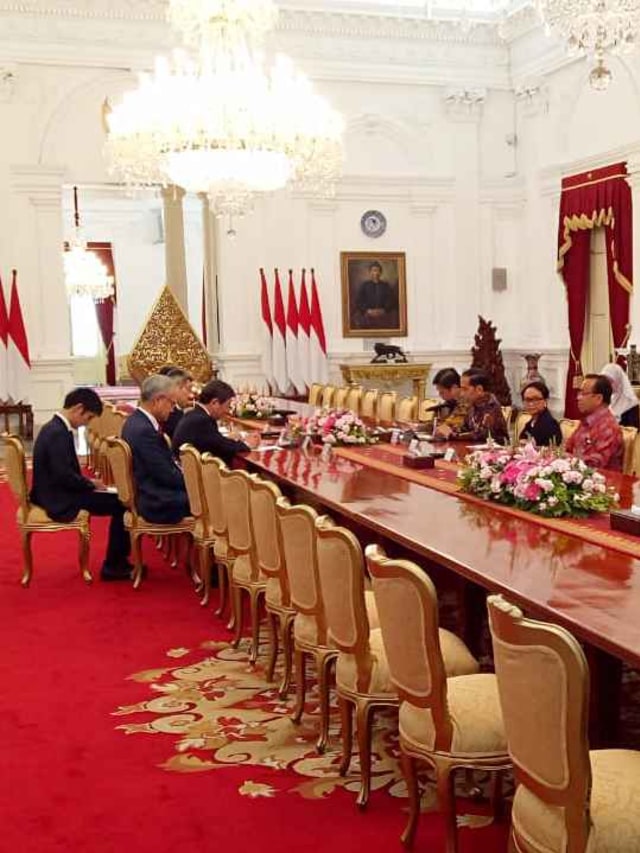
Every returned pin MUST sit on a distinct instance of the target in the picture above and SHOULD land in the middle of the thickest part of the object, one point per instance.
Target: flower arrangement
(540, 480)
(252, 405)
(337, 426)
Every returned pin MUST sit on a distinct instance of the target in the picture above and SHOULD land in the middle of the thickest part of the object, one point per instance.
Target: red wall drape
(592, 199)
(105, 310)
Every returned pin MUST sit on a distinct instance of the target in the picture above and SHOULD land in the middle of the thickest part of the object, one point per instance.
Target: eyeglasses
(533, 399)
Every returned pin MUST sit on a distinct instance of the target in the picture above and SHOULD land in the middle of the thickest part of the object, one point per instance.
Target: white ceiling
(488, 10)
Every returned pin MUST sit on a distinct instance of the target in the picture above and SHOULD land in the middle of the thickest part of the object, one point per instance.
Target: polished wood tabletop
(592, 590)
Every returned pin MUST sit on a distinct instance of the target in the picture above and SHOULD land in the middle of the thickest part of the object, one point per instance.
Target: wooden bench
(24, 414)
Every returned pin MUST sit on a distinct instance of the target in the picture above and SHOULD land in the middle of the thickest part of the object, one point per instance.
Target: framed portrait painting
(374, 294)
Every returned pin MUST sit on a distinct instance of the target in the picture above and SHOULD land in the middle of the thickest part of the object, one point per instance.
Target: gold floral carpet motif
(220, 711)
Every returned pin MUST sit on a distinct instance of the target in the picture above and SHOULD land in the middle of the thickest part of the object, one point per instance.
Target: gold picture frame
(374, 294)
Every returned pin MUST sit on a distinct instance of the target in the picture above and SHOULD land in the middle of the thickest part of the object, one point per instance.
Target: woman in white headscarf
(624, 403)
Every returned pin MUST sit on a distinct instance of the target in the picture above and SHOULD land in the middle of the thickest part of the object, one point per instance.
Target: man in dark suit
(160, 490)
(199, 427)
(62, 491)
(182, 396)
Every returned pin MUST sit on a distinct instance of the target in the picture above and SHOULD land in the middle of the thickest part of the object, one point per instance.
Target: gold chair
(568, 799)
(636, 455)
(326, 398)
(120, 461)
(203, 534)
(362, 673)
(567, 428)
(353, 399)
(522, 420)
(340, 397)
(450, 723)
(212, 485)
(507, 412)
(244, 567)
(386, 405)
(280, 613)
(369, 403)
(315, 394)
(407, 409)
(425, 410)
(628, 441)
(33, 519)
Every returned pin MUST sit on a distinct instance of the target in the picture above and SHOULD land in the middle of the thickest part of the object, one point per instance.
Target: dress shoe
(115, 573)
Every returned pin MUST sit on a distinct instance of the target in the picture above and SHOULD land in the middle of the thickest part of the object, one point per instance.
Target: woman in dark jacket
(543, 428)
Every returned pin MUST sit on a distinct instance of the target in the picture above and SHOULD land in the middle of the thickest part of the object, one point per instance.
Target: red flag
(279, 339)
(304, 330)
(318, 342)
(4, 342)
(293, 361)
(267, 331)
(18, 361)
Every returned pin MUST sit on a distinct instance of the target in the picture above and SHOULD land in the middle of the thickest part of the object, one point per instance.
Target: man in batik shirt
(598, 439)
(484, 418)
(454, 408)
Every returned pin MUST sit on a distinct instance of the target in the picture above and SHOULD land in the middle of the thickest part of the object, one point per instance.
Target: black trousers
(119, 544)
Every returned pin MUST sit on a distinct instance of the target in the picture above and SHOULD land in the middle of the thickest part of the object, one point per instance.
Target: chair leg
(83, 554)
(27, 558)
(273, 621)
(223, 576)
(364, 711)
(447, 804)
(497, 800)
(136, 552)
(324, 669)
(346, 724)
(205, 571)
(410, 774)
(300, 659)
(286, 629)
(236, 597)
(254, 606)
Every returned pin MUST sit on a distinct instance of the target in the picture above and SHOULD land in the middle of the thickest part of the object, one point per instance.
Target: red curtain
(600, 198)
(105, 310)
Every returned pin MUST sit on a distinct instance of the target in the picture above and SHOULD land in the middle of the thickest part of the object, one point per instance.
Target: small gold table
(410, 371)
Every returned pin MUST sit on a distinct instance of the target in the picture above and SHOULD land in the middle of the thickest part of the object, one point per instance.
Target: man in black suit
(182, 396)
(160, 490)
(199, 427)
(62, 491)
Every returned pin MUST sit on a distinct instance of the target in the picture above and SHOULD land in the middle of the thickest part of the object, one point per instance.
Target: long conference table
(591, 589)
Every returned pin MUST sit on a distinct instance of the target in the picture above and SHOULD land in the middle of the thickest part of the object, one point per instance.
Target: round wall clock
(373, 223)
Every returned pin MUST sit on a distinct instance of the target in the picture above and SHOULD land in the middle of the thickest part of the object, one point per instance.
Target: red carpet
(209, 762)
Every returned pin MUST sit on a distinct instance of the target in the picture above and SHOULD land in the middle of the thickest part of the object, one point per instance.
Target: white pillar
(210, 236)
(633, 167)
(175, 259)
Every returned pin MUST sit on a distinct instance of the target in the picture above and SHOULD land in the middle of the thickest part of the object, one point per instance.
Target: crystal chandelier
(84, 272)
(214, 121)
(594, 27)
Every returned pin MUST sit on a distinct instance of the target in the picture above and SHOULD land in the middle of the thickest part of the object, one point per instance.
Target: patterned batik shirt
(598, 440)
(485, 419)
(453, 413)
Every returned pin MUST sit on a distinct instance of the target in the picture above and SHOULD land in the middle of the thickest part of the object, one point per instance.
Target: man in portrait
(376, 301)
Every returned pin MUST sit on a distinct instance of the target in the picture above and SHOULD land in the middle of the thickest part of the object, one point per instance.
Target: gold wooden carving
(168, 338)
(390, 374)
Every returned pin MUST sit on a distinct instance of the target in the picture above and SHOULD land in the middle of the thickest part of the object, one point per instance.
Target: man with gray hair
(160, 489)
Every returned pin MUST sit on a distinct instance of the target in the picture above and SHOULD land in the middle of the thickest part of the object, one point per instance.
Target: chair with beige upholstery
(203, 534)
(407, 409)
(450, 723)
(568, 799)
(521, 421)
(340, 397)
(244, 567)
(120, 461)
(353, 399)
(386, 406)
(628, 440)
(212, 485)
(280, 613)
(97, 433)
(111, 425)
(636, 455)
(315, 394)
(298, 547)
(369, 403)
(507, 412)
(33, 519)
(568, 427)
(327, 396)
